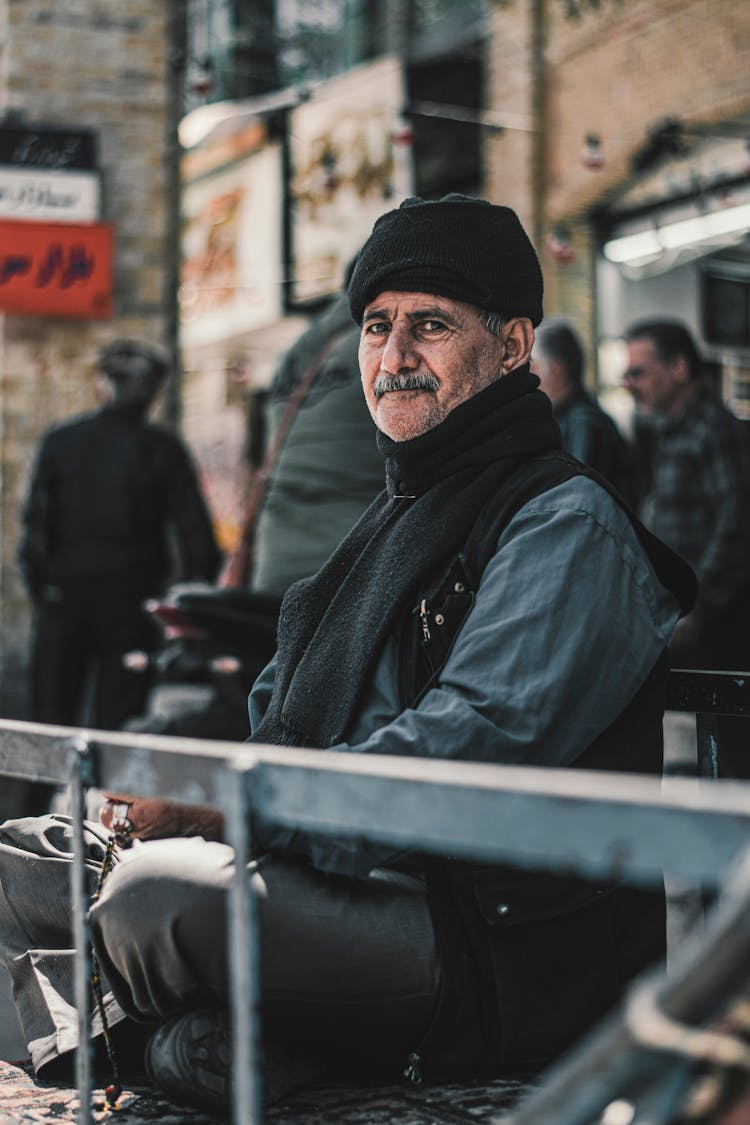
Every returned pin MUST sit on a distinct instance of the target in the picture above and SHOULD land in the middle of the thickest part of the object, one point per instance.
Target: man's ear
(102, 389)
(518, 340)
(681, 369)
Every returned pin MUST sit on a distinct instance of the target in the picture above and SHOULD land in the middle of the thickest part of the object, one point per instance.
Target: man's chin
(404, 415)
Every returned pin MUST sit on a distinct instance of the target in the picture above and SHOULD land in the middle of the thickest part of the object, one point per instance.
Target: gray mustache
(411, 382)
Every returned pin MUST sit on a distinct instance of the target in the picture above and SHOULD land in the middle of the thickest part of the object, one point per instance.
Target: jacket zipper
(413, 1069)
(424, 615)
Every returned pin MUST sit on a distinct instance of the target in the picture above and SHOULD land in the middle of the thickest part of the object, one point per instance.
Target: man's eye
(376, 328)
(432, 326)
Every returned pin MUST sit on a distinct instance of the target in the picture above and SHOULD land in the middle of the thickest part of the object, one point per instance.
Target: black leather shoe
(190, 1060)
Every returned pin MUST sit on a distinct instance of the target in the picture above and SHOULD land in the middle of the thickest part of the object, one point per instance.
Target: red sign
(56, 269)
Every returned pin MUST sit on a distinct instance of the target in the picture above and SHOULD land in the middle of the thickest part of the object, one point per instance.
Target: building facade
(374, 100)
(596, 119)
(593, 118)
(625, 117)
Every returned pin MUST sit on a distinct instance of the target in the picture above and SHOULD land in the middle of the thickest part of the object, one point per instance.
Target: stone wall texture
(81, 63)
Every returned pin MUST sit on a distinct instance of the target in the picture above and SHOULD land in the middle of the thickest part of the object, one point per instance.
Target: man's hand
(154, 819)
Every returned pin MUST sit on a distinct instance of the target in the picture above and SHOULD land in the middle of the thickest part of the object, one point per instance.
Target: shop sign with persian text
(56, 269)
(49, 173)
(29, 193)
(51, 147)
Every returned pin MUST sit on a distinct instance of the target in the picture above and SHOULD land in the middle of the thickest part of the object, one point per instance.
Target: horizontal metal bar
(714, 693)
(599, 824)
(185, 769)
(596, 823)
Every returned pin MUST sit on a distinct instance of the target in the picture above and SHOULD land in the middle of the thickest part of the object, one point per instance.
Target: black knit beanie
(459, 247)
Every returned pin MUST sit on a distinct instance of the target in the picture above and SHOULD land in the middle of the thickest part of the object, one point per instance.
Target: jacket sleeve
(567, 623)
(260, 694)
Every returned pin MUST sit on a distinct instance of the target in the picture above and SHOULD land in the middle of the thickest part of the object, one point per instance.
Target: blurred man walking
(697, 489)
(110, 495)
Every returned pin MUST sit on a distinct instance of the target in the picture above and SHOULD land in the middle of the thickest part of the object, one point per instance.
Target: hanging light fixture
(673, 236)
(560, 245)
(591, 153)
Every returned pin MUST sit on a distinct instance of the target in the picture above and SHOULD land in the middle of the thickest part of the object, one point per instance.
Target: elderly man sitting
(496, 603)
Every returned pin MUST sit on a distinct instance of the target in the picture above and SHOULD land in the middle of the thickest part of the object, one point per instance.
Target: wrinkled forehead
(416, 303)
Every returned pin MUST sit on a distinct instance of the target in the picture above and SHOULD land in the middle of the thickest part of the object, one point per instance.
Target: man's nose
(399, 352)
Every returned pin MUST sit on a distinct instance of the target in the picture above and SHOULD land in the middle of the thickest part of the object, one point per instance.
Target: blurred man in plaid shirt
(696, 489)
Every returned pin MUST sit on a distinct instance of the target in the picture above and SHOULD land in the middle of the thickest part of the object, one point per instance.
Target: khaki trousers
(348, 967)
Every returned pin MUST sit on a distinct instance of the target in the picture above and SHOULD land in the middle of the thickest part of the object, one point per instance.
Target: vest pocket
(553, 957)
(518, 898)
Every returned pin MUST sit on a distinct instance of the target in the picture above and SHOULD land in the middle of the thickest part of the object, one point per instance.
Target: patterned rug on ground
(24, 1101)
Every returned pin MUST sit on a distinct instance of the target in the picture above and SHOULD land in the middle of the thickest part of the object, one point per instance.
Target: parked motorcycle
(215, 642)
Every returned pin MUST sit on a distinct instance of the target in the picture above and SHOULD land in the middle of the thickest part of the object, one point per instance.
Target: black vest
(531, 960)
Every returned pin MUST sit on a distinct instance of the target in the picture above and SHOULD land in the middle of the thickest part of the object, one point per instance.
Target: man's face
(420, 356)
(656, 386)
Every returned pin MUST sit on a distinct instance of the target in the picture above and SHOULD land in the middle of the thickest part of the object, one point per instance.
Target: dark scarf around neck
(333, 626)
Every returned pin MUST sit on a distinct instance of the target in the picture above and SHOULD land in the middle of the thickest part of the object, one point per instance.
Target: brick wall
(510, 96)
(615, 71)
(81, 63)
(619, 71)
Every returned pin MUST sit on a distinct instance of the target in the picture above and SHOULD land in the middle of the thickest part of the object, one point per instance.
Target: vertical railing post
(81, 778)
(707, 745)
(243, 953)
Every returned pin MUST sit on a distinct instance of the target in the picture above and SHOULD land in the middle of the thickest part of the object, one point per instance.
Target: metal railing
(707, 695)
(595, 824)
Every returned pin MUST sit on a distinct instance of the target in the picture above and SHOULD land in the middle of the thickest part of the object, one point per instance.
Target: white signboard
(351, 159)
(49, 196)
(232, 250)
